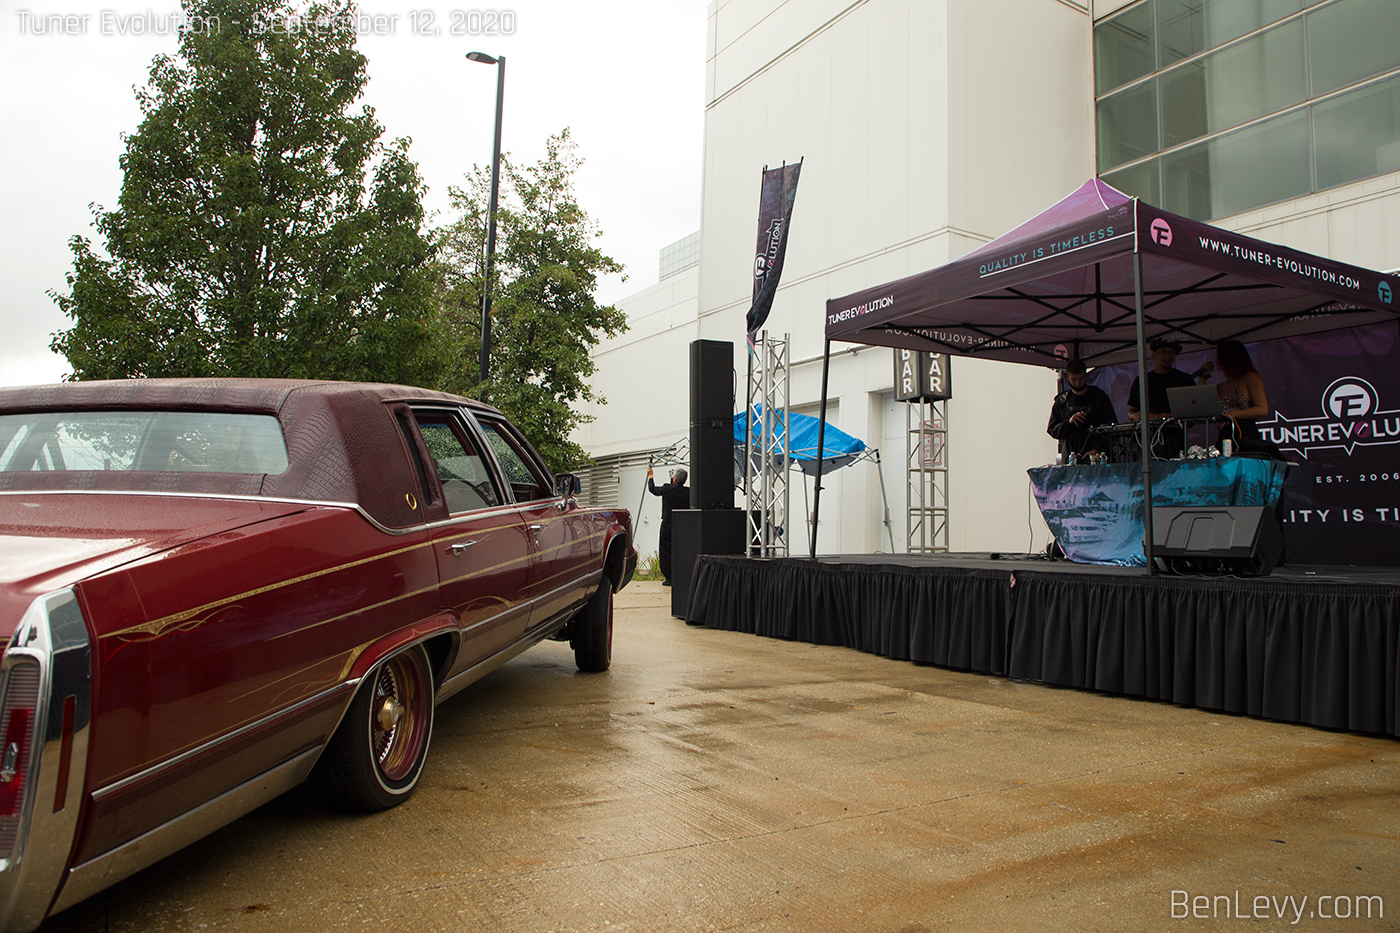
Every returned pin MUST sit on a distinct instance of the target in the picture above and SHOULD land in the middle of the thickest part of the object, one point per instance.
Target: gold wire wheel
(398, 716)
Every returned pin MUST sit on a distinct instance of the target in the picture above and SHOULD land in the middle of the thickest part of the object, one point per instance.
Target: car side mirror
(567, 485)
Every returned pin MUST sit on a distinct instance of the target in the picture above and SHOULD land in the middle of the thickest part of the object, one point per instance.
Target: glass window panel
(1128, 125)
(1243, 170)
(1184, 108)
(1189, 27)
(1140, 181)
(526, 476)
(1232, 86)
(1124, 48)
(156, 441)
(466, 482)
(1351, 40)
(1358, 134)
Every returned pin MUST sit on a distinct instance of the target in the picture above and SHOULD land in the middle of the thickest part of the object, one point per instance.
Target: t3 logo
(1349, 397)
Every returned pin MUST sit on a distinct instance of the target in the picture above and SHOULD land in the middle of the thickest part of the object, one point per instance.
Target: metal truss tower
(926, 451)
(765, 458)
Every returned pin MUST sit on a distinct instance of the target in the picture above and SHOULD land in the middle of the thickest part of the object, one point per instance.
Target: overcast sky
(627, 76)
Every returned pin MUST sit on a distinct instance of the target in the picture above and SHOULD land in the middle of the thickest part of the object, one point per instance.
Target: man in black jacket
(674, 495)
(1076, 411)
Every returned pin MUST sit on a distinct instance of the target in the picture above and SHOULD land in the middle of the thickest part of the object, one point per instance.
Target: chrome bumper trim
(53, 635)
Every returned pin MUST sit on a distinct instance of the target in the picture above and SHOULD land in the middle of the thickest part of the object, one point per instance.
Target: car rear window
(156, 441)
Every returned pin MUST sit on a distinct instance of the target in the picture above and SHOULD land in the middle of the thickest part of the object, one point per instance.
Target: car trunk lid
(52, 540)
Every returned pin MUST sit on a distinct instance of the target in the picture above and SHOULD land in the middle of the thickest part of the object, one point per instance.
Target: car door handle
(536, 528)
(455, 549)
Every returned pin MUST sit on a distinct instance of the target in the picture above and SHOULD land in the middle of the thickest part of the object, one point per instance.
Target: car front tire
(593, 630)
(375, 758)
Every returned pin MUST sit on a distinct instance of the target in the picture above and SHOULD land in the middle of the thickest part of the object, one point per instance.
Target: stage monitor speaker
(695, 532)
(711, 424)
(1244, 540)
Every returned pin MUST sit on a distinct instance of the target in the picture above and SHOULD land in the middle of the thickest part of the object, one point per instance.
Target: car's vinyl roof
(342, 441)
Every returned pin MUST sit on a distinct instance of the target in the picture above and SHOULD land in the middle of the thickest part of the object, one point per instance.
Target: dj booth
(1095, 512)
(1122, 443)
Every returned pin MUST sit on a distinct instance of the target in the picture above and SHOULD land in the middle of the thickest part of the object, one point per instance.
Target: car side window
(528, 480)
(466, 480)
(143, 441)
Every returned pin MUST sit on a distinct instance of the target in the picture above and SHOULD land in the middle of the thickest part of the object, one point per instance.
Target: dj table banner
(1335, 414)
(1095, 512)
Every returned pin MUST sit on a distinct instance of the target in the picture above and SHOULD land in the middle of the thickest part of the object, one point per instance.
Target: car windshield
(185, 441)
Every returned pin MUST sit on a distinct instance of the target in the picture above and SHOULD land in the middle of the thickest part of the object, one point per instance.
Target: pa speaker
(696, 532)
(711, 380)
(712, 464)
(711, 424)
(1244, 540)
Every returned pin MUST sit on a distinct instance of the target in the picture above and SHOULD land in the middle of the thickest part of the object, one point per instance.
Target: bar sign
(938, 376)
(906, 375)
(919, 375)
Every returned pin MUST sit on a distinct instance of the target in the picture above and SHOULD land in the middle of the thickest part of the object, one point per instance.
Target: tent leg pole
(806, 500)
(821, 449)
(884, 497)
(1145, 410)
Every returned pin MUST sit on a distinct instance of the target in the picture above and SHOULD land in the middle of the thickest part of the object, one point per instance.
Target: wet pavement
(721, 781)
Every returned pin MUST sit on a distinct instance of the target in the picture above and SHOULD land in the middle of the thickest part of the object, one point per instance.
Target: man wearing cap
(1076, 411)
(1169, 438)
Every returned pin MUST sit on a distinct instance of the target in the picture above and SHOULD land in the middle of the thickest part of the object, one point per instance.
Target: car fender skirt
(164, 794)
(127, 859)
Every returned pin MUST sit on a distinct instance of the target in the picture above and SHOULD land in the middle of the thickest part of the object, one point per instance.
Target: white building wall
(644, 374)
(644, 378)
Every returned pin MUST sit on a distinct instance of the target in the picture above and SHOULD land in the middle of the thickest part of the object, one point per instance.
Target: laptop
(1194, 402)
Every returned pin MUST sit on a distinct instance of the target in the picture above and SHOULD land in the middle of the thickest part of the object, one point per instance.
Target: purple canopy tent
(1096, 276)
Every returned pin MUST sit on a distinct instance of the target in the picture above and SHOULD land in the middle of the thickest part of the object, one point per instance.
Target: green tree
(246, 241)
(545, 319)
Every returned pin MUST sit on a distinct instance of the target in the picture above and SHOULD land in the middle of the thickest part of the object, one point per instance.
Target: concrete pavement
(720, 781)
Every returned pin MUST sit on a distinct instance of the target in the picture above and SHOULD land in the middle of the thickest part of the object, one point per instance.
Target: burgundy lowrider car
(213, 590)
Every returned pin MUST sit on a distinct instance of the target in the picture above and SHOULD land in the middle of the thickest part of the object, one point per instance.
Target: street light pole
(500, 63)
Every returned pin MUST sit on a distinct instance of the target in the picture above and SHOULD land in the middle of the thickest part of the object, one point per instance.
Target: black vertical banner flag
(774, 214)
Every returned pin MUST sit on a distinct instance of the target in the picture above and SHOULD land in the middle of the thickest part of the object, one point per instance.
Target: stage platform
(1312, 645)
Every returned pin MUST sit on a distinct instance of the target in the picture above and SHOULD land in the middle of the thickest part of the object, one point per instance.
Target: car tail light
(21, 688)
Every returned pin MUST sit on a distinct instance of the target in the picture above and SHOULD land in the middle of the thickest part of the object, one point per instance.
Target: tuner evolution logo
(1161, 232)
(1351, 417)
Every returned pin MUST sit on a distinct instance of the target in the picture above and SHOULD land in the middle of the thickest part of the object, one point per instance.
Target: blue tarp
(839, 448)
